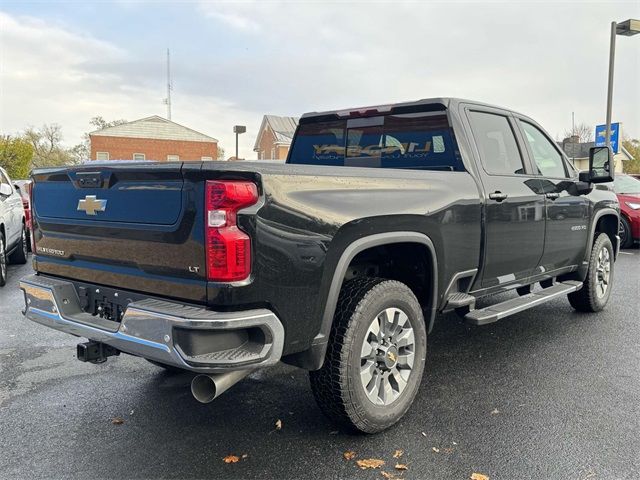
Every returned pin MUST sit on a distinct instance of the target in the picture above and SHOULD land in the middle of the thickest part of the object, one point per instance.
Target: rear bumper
(180, 335)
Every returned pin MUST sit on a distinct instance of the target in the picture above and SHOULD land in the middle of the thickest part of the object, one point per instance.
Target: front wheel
(626, 239)
(595, 292)
(375, 357)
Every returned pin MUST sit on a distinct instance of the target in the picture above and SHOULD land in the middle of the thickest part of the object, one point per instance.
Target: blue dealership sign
(601, 136)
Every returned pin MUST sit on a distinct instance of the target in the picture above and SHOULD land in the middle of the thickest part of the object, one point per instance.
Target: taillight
(228, 248)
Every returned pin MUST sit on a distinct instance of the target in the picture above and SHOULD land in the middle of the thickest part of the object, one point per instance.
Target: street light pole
(612, 55)
(627, 28)
(238, 129)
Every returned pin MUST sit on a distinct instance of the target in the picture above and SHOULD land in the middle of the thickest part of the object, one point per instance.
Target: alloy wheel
(387, 356)
(603, 272)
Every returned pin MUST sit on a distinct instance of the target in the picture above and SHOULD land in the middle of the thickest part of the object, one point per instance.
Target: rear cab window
(421, 140)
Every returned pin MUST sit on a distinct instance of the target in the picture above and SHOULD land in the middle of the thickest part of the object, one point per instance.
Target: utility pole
(169, 87)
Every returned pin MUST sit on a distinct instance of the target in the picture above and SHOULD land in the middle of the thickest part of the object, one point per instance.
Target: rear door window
(414, 141)
(547, 158)
(496, 142)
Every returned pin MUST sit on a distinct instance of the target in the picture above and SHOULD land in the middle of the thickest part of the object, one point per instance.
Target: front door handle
(498, 196)
(552, 195)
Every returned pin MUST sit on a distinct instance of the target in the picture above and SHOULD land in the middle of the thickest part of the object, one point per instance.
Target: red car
(628, 190)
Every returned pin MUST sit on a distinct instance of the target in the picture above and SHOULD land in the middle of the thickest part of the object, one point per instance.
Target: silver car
(13, 229)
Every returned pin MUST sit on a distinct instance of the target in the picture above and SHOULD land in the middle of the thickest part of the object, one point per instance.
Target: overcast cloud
(234, 62)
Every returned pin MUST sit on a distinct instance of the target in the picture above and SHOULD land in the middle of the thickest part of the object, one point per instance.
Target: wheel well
(608, 224)
(407, 262)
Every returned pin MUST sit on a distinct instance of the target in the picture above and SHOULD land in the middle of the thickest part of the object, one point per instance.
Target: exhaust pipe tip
(206, 388)
(203, 388)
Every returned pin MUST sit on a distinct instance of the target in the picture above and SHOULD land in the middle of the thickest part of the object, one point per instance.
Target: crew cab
(337, 261)
(13, 226)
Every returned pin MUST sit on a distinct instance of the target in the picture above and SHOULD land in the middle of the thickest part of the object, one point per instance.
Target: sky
(65, 62)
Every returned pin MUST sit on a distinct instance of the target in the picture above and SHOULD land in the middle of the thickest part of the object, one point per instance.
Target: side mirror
(5, 189)
(600, 165)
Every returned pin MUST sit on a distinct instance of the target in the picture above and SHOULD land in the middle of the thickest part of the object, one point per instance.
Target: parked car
(24, 187)
(336, 262)
(627, 189)
(13, 232)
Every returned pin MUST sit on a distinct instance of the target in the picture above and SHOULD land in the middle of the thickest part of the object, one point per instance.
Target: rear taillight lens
(228, 248)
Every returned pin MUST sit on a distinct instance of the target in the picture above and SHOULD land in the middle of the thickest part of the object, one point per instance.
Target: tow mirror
(600, 165)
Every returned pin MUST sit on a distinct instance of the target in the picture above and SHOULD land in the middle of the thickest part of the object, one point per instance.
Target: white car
(13, 229)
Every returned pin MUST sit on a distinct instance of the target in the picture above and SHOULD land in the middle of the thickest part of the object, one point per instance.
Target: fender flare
(314, 357)
(599, 214)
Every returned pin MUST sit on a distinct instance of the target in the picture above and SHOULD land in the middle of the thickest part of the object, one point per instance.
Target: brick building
(152, 138)
(274, 137)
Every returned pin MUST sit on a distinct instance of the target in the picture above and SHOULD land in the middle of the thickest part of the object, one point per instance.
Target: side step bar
(493, 313)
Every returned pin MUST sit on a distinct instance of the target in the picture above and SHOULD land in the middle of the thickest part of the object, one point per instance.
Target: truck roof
(436, 103)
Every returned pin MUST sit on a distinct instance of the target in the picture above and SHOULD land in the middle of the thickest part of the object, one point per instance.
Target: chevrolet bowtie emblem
(90, 205)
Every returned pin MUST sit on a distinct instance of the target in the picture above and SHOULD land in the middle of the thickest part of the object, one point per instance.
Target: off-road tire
(167, 368)
(3, 261)
(337, 386)
(21, 253)
(587, 299)
(626, 239)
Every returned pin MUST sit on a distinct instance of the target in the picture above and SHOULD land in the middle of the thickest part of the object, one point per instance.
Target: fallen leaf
(424, 434)
(117, 421)
(455, 443)
(398, 453)
(131, 412)
(401, 466)
(279, 424)
(231, 459)
(495, 411)
(437, 450)
(349, 454)
(479, 476)
(387, 475)
(369, 463)
(245, 455)
(334, 432)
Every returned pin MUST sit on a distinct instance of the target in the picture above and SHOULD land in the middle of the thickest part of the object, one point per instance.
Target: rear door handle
(552, 195)
(498, 196)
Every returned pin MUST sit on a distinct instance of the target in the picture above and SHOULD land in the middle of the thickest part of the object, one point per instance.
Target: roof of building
(154, 127)
(283, 128)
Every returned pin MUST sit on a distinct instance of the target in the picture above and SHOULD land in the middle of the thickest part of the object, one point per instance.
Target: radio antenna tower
(167, 101)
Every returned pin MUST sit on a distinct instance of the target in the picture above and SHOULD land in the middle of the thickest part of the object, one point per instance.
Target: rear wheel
(21, 253)
(626, 240)
(595, 292)
(375, 357)
(3, 261)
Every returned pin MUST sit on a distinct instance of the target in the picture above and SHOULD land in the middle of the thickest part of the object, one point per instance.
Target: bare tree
(82, 151)
(47, 148)
(583, 131)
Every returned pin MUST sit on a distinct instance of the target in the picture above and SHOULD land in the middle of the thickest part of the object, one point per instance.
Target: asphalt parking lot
(545, 394)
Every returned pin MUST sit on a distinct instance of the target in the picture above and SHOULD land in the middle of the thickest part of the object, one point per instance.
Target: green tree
(15, 156)
(82, 151)
(46, 142)
(633, 147)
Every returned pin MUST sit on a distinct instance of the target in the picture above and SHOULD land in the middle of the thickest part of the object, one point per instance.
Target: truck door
(514, 207)
(567, 212)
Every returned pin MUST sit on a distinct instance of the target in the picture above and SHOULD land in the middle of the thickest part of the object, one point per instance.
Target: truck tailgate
(128, 226)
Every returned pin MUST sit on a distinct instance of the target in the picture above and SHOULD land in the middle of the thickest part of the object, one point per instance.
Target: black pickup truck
(337, 261)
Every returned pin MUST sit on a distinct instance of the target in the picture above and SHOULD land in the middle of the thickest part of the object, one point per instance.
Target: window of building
(273, 154)
(547, 158)
(259, 154)
(173, 158)
(102, 155)
(497, 143)
(138, 156)
(206, 159)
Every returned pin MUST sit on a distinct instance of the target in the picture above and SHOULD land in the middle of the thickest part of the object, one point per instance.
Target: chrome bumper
(154, 329)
